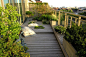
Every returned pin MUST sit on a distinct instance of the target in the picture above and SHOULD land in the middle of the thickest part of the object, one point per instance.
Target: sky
(61, 3)
(66, 3)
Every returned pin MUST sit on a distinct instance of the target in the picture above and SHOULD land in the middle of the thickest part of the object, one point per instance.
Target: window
(5, 2)
(0, 3)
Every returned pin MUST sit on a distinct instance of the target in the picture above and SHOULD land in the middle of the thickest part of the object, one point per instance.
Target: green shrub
(31, 22)
(29, 13)
(46, 17)
(36, 18)
(9, 30)
(84, 13)
(45, 22)
(53, 17)
(60, 29)
(39, 27)
(76, 35)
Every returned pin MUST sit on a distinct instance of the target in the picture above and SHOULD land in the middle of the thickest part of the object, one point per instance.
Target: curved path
(44, 44)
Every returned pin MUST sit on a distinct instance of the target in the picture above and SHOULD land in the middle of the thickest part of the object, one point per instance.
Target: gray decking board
(44, 43)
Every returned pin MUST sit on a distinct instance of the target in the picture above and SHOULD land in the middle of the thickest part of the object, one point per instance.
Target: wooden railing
(69, 18)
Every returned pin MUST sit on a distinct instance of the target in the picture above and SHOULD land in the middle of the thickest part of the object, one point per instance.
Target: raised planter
(70, 50)
(53, 23)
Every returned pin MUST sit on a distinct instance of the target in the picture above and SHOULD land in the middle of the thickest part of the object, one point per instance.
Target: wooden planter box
(28, 16)
(53, 23)
(69, 49)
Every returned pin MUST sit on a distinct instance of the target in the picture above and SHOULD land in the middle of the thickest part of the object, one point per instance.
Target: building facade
(20, 4)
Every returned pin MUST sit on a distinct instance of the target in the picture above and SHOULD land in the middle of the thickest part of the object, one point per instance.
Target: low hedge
(60, 29)
(76, 35)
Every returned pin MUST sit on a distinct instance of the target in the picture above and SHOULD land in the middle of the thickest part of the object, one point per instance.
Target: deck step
(44, 47)
(47, 55)
(47, 52)
(44, 43)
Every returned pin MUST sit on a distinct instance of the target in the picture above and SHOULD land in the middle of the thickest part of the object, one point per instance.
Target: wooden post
(2, 3)
(70, 22)
(9, 1)
(19, 11)
(13, 2)
(55, 13)
(23, 11)
(75, 20)
(79, 21)
(59, 19)
(65, 19)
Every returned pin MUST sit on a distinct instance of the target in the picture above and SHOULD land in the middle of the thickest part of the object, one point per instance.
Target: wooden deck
(44, 43)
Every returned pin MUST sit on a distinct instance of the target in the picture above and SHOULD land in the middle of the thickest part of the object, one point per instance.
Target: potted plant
(74, 41)
(53, 20)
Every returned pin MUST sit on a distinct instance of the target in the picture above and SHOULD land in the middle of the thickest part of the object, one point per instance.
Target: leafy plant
(84, 13)
(45, 22)
(42, 8)
(76, 35)
(46, 17)
(31, 22)
(54, 18)
(9, 30)
(29, 13)
(39, 27)
(60, 29)
(36, 18)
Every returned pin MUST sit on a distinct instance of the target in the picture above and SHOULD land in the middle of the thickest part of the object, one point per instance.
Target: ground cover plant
(9, 33)
(76, 35)
(60, 29)
(39, 27)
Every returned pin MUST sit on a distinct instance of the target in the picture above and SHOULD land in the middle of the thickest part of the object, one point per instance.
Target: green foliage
(42, 8)
(54, 18)
(39, 27)
(36, 18)
(63, 15)
(76, 35)
(84, 13)
(45, 22)
(60, 29)
(39, 3)
(46, 17)
(9, 29)
(71, 11)
(29, 13)
(31, 22)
